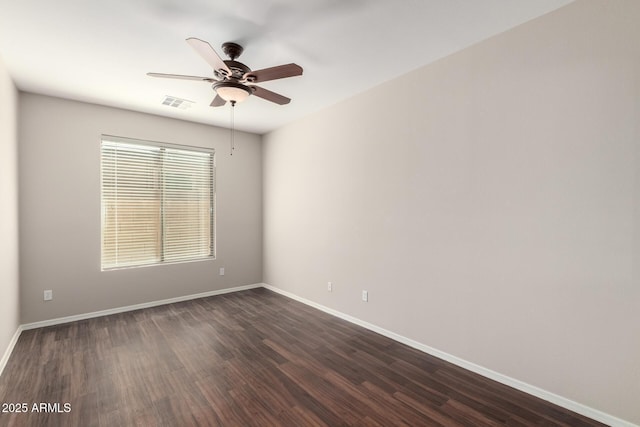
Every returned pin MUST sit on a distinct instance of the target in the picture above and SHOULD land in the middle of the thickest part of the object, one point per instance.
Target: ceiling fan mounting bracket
(232, 50)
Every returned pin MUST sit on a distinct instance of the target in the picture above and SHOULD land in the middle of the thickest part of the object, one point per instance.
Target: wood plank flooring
(252, 358)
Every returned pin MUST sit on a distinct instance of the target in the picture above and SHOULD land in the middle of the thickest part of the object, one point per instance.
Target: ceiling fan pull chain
(233, 143)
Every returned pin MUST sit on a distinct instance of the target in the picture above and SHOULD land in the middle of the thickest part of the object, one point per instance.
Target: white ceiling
(100, 50)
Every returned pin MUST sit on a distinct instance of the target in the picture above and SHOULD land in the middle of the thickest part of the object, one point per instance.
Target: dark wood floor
(251, 358)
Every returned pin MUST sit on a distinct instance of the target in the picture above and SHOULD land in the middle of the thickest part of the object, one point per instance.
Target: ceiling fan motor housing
(238, 69)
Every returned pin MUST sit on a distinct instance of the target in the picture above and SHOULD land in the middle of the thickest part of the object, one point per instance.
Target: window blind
(157, 203)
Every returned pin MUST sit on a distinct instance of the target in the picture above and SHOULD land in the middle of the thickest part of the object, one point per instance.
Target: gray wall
(9, 303)
(489, 203)
(59, 183)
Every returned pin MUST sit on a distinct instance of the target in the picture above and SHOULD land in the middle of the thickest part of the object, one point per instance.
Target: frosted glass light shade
(232, 91)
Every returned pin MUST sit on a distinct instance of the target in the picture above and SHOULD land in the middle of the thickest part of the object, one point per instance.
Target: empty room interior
(320, 213)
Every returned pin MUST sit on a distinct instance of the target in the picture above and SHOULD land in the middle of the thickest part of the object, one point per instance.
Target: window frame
(162, 188)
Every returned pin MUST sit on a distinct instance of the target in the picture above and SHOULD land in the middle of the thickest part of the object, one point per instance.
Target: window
(158, 203)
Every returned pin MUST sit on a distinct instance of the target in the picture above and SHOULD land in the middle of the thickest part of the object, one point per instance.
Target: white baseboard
(488, 373)
(9, 350)
(60, 320)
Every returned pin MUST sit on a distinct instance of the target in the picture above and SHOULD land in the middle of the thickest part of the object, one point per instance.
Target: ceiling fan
(232, 80)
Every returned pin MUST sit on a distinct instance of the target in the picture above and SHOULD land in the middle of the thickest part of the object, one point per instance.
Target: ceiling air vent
(181, 104)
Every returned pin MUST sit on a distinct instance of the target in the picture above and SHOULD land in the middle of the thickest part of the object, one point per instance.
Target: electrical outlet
(222, 271)
(365, 296)
(48, 295)
(330, 286)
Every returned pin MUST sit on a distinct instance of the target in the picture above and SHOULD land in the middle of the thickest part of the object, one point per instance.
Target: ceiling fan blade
(205, 50)
(217, 102)
(182, 77)
(269, 96)
(273, 73)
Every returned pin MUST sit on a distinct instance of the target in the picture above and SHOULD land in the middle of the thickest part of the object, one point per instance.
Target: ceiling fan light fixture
(232, 92)
(232, 80)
